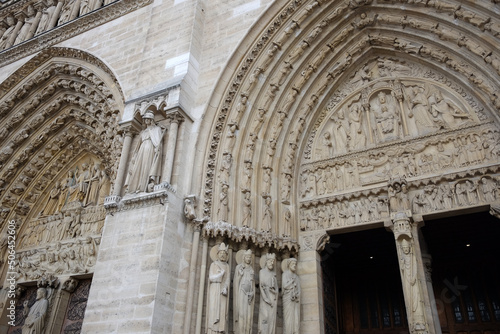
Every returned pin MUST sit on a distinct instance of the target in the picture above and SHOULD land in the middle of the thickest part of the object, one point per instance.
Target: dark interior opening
(466, 272)
(362, 285)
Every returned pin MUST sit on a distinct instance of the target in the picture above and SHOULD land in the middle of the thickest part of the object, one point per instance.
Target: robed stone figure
(218, 291)
(244, 293)
(268, 295)
(147, 157)
(291, 297)
(35, 319)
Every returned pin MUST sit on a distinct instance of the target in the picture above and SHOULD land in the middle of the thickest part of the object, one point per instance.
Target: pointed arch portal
(344, 116)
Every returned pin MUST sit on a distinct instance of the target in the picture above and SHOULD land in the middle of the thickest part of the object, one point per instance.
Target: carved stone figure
(411, 286)
(52, 204)
(244, 293)
(247, 209)
(69, 11)
(189, 212)
(35, 315)
(267, 221)
(28, 27)
(268, 285)
(46, 18)
(223, 203)
(446, 113)
(4, 40)
(147, 158)
(386, 118)
(357, 139)
(218, 291)
(291, 297)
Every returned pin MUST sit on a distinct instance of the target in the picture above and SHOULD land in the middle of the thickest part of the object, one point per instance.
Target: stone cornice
(69, 29)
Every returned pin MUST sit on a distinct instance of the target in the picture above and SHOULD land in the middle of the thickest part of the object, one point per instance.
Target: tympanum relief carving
(64, 238)
(397, 121)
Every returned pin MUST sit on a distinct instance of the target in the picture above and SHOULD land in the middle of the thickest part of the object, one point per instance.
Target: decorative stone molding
(63, 30)
(261, 239)
(133, 201)
(316, 241)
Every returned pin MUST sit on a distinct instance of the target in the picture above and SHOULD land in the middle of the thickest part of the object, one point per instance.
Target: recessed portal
(362, 285)
(466, 272)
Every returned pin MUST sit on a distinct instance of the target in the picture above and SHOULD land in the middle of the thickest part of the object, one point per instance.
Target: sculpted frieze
(399, 195)
(244, 233)
(479, 145)
(77, 256)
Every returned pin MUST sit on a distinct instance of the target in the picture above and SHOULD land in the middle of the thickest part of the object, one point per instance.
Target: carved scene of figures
(73, 223)
(344, 213)
(88, 184)
(399, 196)
(455, 151)
(387, 110)
(77, 256)
(45, 17)
(454, 194)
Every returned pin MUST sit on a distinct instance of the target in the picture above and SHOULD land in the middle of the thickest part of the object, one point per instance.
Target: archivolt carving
(58, 159)
(307, 56)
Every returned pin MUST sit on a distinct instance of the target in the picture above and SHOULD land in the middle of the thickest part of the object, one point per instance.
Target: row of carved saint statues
(244, 292)
(15, 29)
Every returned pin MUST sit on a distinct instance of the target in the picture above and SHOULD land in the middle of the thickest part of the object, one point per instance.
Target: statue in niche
(35, 315)
(247, 209)
(146, 161)
(47, 14)
(327, 144)
(291, 297)
(27, 29)
(386, 118)
(244, 293)
(104, 186)
(445, 113)
(411, 286)
(4, 40)
(357, 139)
(218, 290)
(268, 215)
(287, 225)
(223, 211)
(268, 285)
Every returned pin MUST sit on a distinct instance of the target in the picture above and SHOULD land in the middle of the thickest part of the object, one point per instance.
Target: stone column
(122, 167)
(192, 276)
(201, 291)
(309, 271)
(175, 119)
(415, 289)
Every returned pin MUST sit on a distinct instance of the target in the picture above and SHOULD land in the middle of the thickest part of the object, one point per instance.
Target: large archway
(350, 115)
(60, 145)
